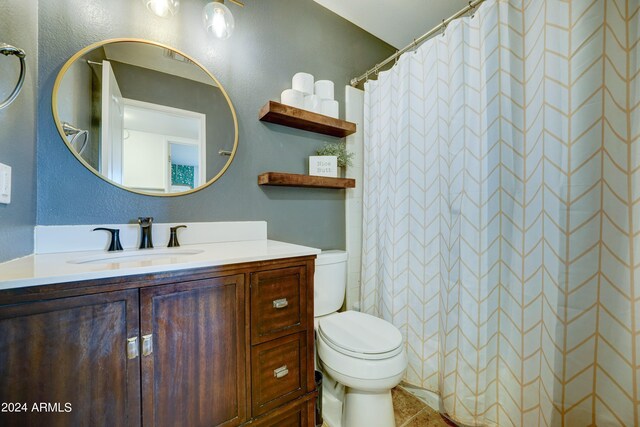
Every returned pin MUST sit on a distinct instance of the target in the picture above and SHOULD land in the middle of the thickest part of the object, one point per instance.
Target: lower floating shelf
(297, 180)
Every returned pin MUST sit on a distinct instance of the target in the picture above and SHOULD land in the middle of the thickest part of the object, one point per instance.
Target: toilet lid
(360, 333)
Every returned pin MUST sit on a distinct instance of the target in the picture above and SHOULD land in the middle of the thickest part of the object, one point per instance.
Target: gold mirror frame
(82, 52)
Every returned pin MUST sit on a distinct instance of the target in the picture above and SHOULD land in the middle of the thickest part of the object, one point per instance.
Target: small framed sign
(323, 166)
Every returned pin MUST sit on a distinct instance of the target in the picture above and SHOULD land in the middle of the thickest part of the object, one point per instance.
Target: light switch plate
(5, 184)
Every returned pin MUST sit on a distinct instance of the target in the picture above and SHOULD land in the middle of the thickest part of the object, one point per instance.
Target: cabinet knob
(147, 344)
(281, 372)
(132, 348)
(280, 303)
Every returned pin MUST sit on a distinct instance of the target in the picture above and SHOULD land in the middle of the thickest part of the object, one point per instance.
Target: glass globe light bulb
(218, 20)
(162, 8)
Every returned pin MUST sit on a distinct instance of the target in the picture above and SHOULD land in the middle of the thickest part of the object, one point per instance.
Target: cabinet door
(195, 375)
(68, 357)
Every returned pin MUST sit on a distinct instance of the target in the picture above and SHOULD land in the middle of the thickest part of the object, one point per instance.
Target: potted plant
(331, 154)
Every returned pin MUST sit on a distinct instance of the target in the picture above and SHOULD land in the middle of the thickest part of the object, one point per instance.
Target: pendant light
(162, 8)
(218, 19)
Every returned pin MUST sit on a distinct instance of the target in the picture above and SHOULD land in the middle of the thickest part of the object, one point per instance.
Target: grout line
(411, 419)
(425, 408)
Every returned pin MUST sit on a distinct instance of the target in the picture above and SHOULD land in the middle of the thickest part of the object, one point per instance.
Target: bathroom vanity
(189, 344)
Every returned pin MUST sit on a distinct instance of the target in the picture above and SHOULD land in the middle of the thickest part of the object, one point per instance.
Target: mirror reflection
(145, 117)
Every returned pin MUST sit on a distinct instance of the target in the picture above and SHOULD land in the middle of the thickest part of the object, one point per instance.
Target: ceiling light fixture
(218, 20)
(162, 8)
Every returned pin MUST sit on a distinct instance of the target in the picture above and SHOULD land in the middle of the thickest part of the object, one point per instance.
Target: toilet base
(368, 409)
(332, 401)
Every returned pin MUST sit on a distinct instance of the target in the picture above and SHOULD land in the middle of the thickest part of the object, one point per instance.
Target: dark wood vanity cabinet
(281, 337)
(186, 348)
(68, 357)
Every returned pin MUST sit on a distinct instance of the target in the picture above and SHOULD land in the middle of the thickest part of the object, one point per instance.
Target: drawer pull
(147, 344)
(132, 348)
(280, 303)
(282, 371)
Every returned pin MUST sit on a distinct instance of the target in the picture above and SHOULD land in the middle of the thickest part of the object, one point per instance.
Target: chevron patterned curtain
(502, 212)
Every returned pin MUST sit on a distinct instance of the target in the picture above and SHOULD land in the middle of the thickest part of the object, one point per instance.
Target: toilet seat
(361, 336)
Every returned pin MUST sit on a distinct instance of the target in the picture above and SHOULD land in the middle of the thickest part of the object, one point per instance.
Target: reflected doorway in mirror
(158, 140)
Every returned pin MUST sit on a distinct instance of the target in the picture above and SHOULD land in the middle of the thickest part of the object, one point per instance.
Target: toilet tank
(330, 282)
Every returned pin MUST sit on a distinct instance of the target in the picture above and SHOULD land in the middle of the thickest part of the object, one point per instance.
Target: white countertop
(43, 269)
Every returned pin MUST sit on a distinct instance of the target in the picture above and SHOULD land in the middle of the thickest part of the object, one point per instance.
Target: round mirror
(145, 117)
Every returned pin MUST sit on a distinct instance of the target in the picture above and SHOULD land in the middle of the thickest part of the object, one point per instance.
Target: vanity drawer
(299, 413)
(278, 372)
(278, 303)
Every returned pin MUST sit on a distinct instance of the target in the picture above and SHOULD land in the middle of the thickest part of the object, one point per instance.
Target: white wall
(354, 112)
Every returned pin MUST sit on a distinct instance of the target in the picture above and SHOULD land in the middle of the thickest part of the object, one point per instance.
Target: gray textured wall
(19, 27)
(273, 40)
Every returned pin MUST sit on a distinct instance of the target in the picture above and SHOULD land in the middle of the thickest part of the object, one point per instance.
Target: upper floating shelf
(275, 112)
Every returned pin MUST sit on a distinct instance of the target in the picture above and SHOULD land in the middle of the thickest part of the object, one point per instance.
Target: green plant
(338, 149)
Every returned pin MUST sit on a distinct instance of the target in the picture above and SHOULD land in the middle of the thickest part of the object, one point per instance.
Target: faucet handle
(115, 238)
(173, 239)
(145, 221)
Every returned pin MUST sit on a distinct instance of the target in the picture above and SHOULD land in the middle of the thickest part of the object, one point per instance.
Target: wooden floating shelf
(297, 180)
(285, 115)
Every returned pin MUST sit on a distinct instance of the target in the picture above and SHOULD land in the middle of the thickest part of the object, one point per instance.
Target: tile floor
(412, 412)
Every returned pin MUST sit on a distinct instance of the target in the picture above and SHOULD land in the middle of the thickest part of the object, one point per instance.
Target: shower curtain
(501, 228)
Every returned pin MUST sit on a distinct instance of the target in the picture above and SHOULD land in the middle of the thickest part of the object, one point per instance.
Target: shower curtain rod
(416, 42)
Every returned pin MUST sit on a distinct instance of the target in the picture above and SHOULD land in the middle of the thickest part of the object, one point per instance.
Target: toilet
(362, 357)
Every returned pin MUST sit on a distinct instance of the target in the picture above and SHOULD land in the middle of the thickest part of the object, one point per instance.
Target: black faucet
(115, 238)
(146, 241)
(173, 238)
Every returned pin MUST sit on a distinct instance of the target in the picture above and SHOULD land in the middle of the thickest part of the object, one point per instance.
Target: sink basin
(136, 256)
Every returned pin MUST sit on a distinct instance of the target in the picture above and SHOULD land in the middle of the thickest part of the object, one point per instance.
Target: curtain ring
(444, 27)
(473, 9)
(7, 50)
(397, 58)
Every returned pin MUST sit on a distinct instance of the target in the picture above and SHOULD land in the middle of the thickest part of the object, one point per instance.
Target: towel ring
(75, 134)
(7, 50)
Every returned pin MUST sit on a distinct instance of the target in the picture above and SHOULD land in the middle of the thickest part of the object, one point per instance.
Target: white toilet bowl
(365, 354)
